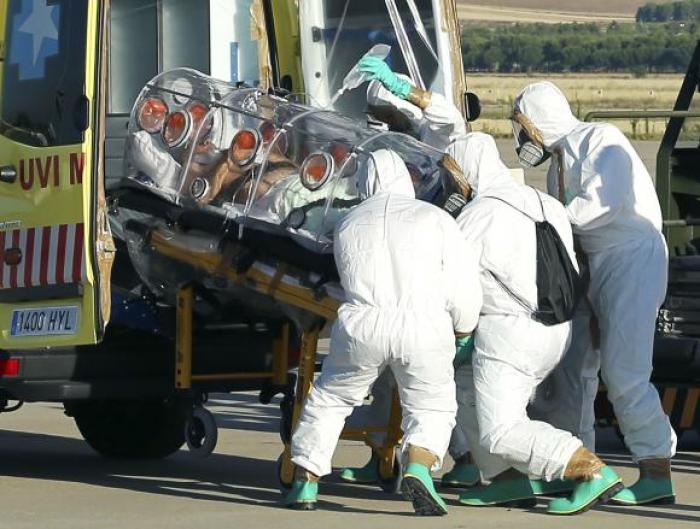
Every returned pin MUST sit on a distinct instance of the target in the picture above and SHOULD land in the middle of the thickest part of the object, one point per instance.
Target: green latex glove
(465, 348)
(376, 68)
(568, 196)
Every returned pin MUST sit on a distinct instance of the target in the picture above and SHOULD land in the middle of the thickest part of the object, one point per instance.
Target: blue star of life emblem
(34, 37)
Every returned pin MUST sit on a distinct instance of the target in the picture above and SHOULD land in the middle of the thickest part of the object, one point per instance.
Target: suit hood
(478, 157)
(547, 108)
(384, 172)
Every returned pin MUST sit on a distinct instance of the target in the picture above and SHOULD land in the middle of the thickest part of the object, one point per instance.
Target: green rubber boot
(417, 486)
(653, 487)
(365, 474)
(462, 476)
(506, 492)
(303, 495)
(541, 487)
(587, 493)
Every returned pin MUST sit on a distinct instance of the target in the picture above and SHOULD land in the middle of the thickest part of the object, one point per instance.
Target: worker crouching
(411, 284)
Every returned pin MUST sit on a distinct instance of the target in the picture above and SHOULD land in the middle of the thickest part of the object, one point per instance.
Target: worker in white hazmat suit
(411, 285)
(436, 124)
(434, 120)
(513, 351)
(613, 208)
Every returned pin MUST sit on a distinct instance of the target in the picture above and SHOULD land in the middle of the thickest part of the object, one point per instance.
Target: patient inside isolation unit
(252, 156)
(254, 171)
(231, 178)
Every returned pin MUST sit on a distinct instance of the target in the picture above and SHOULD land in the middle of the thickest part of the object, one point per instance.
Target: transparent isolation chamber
(257, 159)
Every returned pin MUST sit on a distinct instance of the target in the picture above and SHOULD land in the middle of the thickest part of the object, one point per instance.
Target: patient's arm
(268, 180)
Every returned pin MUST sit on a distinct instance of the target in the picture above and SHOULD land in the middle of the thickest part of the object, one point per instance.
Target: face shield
(528, 142)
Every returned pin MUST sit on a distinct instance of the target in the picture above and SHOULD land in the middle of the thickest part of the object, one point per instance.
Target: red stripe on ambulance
(78, 266)
(13, 269)
(50, 255)
(61, 252)
(44, 256)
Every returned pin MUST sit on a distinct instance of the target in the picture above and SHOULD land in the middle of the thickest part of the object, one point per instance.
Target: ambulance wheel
(131, 429)
(392, 484)
(201, 433)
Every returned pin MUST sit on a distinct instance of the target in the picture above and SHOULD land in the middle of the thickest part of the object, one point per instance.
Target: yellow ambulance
(76, 324)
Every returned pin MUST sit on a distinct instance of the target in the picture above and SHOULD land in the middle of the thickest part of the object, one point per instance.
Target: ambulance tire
(131, 429)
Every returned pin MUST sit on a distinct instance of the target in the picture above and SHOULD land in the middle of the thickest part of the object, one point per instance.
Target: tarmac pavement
(50, 478)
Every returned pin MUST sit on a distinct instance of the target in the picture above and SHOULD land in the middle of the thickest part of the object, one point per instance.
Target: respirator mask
(456, 190)
(528, 144)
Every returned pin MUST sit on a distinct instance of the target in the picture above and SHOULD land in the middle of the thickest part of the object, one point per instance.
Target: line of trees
(637, 48)
(683, 11)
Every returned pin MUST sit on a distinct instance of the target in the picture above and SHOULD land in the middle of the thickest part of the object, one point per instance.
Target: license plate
(44, 321)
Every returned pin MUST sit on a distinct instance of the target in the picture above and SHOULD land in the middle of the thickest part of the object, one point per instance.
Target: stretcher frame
(305, 298)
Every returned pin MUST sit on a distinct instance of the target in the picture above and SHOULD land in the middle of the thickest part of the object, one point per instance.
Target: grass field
(549, 11)
(586, 92)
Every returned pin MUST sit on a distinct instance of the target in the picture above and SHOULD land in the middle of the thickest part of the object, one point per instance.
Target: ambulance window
(234, 53)
(351, 27)
(151, 37)
(44, 76)
(185, 34)
(133, 52)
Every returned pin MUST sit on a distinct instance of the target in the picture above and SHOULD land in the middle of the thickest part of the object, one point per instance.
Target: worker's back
(398, 260)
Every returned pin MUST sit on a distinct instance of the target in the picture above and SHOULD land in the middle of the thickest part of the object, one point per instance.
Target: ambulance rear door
(423, 35)
(55, 247)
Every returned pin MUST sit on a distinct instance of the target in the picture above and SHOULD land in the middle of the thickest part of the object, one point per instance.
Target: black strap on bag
(560, 288)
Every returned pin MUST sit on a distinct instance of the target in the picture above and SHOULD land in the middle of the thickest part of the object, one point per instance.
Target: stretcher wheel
(391, 484)
(201, 432)
(285, 474)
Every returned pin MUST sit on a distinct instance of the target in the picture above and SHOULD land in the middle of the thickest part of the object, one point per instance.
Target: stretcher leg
(389, 466)
(183, 338)
(389, 461)
(305, 377)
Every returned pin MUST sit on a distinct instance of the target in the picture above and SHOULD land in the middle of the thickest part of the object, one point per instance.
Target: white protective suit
(410, 283)
(613, 208)
(513, 352)
(438, 125)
